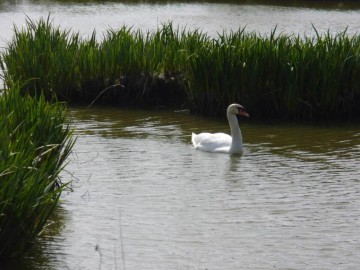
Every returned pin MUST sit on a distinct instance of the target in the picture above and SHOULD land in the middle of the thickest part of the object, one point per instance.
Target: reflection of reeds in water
(275, 76)
(34, 145)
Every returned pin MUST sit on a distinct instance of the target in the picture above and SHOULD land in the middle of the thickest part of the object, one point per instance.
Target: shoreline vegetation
(34, 145)
(277, 76)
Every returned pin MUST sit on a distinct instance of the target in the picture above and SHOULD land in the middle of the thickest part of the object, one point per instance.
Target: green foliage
(274, 76)
(34, 145)
(45, 56)
(279, 75)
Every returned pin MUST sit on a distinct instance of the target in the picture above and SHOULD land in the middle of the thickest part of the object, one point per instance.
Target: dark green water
(145, 199)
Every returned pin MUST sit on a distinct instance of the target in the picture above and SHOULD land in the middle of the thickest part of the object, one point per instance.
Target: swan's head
(237, 109)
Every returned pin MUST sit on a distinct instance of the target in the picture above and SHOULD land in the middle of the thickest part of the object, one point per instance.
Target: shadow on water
(234, 163)
(43, 252)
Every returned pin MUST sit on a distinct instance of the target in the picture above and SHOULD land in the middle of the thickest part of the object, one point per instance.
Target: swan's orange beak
(243, 113)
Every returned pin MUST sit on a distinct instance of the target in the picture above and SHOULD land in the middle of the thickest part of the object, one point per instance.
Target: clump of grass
(34, 144)
(276, 76)
(43, 57)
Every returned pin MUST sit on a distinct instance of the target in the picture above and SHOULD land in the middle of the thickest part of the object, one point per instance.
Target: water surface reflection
(210, 16)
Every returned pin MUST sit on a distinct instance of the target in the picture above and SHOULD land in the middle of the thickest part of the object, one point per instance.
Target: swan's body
(221, 142)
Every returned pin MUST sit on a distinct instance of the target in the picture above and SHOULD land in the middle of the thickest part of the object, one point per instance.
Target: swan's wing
(211, 142)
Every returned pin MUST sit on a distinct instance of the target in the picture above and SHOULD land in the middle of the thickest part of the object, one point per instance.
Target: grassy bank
(275, 76)
(34, 144)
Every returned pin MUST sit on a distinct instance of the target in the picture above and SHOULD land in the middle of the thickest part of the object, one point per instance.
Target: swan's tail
(193, 139)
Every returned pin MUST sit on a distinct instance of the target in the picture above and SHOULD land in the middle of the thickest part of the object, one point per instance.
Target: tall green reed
(44, 57)
(276, 76)
(279, 75)
(34, 145)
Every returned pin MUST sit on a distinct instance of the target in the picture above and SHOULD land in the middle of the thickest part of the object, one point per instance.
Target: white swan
(221, 142)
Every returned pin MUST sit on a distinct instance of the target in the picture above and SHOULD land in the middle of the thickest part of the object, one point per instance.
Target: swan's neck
(236, 144)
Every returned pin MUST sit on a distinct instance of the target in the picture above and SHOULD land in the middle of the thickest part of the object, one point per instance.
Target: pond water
(211, 17)
(143, 198)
